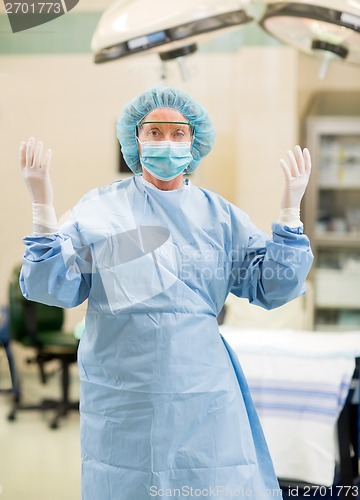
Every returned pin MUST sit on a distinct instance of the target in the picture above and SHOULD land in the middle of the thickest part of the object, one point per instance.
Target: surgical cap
(164, 97)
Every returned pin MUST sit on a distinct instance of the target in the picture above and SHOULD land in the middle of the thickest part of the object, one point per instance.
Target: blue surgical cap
(164, 97)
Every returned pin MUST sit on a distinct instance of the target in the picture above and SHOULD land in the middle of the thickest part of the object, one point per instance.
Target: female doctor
(165, 409)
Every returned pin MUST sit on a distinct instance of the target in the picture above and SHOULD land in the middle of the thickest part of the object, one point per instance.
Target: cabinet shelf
(339, 187)
(320, 327)
(335, 305)
(337, 240)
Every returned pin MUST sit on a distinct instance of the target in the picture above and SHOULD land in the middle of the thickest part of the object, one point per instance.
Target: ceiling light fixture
(327, 29)
(168, 27)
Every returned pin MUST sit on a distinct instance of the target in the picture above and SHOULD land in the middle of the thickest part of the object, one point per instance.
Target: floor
(37, 462)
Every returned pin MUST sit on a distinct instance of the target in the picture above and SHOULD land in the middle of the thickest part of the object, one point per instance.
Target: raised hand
(36, 171)
(297, 172)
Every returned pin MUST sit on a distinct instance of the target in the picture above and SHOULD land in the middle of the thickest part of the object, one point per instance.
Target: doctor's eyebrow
(140, 124)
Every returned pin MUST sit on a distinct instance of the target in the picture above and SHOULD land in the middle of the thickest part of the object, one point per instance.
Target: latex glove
(37, 180)
(297, 172)
(36, 172)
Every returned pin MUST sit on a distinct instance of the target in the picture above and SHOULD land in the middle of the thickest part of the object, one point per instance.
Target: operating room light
(326, 29)
(168, 27)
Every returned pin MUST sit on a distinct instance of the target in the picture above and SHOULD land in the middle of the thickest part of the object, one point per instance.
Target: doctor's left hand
(297, 172)
(36, 172)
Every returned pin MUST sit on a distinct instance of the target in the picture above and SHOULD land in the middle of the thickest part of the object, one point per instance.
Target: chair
(6, 343)
(39, 326)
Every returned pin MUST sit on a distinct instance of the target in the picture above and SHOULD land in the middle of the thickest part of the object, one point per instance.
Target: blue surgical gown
(165, 409)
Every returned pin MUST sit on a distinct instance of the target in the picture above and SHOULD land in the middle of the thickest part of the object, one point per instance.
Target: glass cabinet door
(332, 221)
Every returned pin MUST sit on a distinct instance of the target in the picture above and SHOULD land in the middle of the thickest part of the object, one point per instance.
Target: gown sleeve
(270, 272)
(56, 269)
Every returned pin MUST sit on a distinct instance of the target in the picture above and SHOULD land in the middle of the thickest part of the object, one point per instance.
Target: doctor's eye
(179, 134)
(154, 132)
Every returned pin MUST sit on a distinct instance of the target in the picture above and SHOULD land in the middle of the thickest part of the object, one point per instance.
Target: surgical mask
(165, 160)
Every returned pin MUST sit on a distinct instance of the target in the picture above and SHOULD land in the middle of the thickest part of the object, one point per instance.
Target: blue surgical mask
(165, 160)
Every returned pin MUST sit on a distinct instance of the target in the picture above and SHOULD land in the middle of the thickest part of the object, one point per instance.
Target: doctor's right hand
(36, 172)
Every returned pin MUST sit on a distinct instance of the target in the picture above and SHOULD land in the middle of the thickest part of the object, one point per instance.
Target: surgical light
(327, 29)
(168, 27)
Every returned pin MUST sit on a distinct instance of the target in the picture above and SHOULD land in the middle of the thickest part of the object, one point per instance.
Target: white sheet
(299, 382)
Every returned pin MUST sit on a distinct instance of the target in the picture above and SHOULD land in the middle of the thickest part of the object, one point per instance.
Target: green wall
(72, 32)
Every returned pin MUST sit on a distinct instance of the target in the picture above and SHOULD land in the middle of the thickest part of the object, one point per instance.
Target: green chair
(40, 327)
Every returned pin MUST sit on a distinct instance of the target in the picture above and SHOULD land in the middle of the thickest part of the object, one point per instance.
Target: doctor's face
(164, 125)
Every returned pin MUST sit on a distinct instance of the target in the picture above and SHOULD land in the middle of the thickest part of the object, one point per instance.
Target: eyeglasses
(156, 130)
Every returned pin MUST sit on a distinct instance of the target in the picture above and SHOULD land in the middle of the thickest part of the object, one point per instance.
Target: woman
(165, 410)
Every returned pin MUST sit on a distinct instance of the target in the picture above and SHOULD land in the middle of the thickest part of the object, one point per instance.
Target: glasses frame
(192, 128)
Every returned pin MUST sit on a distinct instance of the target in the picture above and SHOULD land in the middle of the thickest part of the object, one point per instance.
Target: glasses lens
(165, 131)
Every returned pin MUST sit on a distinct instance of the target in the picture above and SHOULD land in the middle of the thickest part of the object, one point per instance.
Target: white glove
(297, 172)
(36, 173)
(37, 180)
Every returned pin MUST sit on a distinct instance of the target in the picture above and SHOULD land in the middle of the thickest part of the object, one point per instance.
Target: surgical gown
(165, 409)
